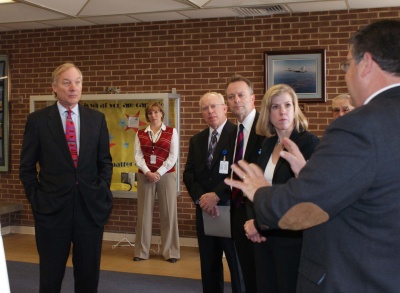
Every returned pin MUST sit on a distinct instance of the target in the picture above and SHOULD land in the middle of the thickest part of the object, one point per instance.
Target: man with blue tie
(207, 165)
(69, 191)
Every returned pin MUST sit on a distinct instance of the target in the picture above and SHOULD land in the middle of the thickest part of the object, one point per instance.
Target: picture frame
(4, 115)
(303, 70)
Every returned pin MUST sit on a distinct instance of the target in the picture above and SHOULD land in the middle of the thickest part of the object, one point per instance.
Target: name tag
(223, 167)
(152, 159)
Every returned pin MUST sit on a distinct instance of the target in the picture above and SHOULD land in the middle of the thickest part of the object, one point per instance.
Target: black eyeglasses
(346, 64)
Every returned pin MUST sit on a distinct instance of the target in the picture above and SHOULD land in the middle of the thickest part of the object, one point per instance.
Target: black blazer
(197, 177)
(49, 189)
(252, 153)
(306, 142)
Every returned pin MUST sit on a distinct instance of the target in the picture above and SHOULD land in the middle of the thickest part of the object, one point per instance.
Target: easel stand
(128, 243)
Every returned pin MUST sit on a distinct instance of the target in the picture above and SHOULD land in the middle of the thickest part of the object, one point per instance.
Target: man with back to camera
(70, 191)
(341, 105)
(240, 99)
(207, 165)
(351, 208)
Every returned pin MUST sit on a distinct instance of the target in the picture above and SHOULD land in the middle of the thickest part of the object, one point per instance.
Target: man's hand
(252, 178)
(293, 156)
(208, 202)
(252, 233)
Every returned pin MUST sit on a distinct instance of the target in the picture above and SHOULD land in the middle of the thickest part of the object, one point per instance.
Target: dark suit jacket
(197, 177)
(306, 142)
(51, 188)
(353, 175)
(253, 151)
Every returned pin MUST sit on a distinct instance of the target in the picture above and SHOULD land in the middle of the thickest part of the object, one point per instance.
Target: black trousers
(73, 226)
(211, 253)
(244, 247)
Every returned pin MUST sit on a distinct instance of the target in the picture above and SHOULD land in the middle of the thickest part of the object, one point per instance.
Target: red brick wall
(193, 56)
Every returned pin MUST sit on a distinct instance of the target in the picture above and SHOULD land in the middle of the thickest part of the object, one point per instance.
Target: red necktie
(237, 198)
(70, 135)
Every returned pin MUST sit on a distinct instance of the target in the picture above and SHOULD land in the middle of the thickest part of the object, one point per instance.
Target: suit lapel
(252, 139)
(293, 137)
(268, 148)
(221, 145)
(84, 130)
(57, 131)
(204, 145)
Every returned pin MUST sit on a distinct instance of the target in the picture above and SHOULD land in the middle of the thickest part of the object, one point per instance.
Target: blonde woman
(277, 258)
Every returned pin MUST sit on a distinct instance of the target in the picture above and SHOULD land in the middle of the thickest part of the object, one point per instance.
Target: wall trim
(123, 238)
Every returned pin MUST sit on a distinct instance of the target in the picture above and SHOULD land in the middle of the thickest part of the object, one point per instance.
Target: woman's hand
(252, 233)
(153, 177)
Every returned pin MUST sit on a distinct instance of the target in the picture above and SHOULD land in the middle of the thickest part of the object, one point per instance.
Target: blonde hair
(59, 70)
(264, 126)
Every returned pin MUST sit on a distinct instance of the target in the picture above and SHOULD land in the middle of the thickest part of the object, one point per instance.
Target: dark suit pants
(277, 263)
(244, 248)
(54, 242)
(211, 253)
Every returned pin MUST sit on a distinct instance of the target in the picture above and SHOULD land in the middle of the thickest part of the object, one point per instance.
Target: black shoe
(137, 258)
(172, 260)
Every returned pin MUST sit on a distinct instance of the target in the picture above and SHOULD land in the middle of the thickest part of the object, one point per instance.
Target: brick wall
(193, 56)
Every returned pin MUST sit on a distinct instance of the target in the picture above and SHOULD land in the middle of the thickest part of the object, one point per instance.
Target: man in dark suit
(350, 208)
(240, 99)
(204, 176)
(69, 191)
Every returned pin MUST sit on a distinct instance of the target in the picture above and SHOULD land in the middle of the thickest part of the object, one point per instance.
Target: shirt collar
(378, 92)
(248, 121)
(163, 128)
(62, 110)
(219, 129)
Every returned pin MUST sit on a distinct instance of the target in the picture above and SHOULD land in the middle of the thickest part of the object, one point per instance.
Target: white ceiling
(38, 14)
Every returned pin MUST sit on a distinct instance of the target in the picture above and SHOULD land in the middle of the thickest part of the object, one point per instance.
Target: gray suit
(354, 176)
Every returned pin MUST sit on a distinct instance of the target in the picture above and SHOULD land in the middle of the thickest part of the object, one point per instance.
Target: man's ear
(366, 64)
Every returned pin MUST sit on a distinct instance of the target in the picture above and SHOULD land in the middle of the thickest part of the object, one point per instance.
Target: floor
(22, 247)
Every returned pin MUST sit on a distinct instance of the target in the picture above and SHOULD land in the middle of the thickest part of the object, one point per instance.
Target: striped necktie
(237, 198)
(70, 135)
(211, 148)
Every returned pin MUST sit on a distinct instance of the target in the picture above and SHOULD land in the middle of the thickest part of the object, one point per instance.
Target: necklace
(278, 142)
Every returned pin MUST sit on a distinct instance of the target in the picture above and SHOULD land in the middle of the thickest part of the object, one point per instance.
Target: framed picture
(304, 71)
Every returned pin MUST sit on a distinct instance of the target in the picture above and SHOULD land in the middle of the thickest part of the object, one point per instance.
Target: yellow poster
(124, 118)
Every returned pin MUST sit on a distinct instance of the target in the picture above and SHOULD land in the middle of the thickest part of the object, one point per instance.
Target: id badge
(223, 167)
(152, 159)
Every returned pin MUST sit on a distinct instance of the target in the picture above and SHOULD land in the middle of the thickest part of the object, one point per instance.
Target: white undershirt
(269, 170)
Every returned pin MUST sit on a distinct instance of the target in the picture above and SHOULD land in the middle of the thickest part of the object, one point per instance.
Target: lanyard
(154, 140)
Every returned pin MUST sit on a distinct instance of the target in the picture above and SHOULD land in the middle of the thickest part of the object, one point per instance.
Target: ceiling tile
(357, 4)
(210, 13)
(17, 12)
(161, 16)
(27, 25)
(110, 19)
(245, 3)
(106, 7)
(317, 6)
(68, 22)
(69, 7)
